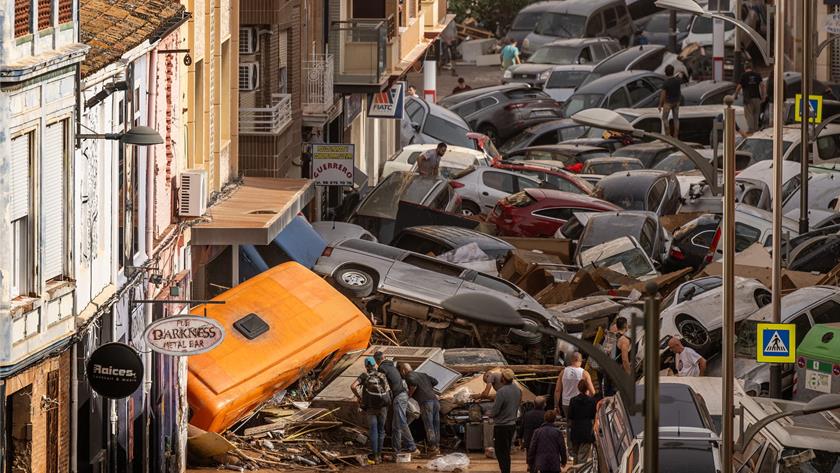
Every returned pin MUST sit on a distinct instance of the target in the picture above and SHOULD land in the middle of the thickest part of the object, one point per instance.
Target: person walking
(566, 387)
(374, 401)
(755, 92)
(510, 54)
(547, 451)
(399, 396)
(582, 410)
(504, 414)
(687, 361)
(531, 421)
(669, 102)
(461, 87)
(421, 387)
(428, 163)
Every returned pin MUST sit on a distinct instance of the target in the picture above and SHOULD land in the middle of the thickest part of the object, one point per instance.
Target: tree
(492, 15)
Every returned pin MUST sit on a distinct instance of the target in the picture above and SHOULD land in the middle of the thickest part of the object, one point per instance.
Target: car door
(424, 279)
(639, 90)
(495, 184)
(618, 99)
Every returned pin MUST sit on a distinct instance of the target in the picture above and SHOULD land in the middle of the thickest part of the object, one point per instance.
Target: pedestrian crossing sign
(815, 109)
(776, 343)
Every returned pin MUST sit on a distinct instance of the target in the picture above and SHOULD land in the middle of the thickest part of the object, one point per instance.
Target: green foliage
(493, 15)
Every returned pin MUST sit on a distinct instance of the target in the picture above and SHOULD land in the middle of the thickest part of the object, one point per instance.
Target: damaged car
(623, 255)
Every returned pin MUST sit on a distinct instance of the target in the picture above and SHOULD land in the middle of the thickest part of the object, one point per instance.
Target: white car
(701, 31)
(692, 311)
(560, 82)
(481, 187)
(455, 160)
(623, 255)
(760, 144)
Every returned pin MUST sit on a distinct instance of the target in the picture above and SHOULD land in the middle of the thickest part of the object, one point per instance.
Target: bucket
(403, 458)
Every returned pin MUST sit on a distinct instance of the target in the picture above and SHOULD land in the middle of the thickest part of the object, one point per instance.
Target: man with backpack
(399, 400)
(374, 401)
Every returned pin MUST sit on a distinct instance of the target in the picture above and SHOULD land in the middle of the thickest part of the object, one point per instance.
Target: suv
(581, 19)
(537, 68)
(687, 440)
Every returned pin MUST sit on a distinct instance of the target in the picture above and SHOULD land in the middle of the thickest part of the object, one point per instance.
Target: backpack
(376, 393)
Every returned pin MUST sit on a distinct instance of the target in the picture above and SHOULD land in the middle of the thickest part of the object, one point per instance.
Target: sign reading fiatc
(184, 335)
(332, 164)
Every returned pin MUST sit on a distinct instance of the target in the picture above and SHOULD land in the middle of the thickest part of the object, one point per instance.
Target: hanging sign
(114, 370)
(184, 335)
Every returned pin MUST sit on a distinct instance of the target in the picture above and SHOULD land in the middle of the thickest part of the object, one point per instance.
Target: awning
(255, 213)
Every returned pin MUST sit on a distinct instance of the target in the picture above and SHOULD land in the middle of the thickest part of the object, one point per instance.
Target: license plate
(543, 113)
(816, 381)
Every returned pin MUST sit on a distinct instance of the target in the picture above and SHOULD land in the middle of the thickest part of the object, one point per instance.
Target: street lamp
(138, 135)
(690, 6)
(611, 120)
(825, 402)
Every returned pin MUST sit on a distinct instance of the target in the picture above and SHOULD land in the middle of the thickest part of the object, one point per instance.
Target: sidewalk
(475, 77)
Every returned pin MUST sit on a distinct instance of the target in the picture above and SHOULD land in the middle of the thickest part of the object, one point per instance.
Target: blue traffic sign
(776, 343)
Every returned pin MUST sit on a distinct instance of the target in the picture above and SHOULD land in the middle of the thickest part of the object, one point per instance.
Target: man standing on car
(669, 102)
(752, 84)
(399, 422)
(687, 361)
(374, 401)
(504, 414)
(428, 163)
(421, 387)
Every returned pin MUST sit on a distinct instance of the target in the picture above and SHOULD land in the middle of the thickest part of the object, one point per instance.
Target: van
(279, 326)
(581, 19)
(696, 121)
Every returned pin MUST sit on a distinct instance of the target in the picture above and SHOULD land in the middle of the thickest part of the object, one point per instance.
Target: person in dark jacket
(504, 414)
(582, 417)
(547, 451)
(532, 420)
(400, 431)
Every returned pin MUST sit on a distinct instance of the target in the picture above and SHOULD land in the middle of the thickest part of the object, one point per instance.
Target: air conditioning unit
(248, 41)
(192, 190)
(249, 76)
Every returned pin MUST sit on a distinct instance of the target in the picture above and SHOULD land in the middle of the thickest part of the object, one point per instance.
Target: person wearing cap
(504, 414)
(376, 415)
(399, 395)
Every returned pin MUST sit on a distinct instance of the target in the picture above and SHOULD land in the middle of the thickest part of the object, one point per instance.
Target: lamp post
(138, 136)
(825, 402)
(611, 120)
(807, 36)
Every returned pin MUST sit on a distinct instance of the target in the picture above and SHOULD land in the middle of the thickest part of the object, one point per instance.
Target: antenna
(678, 424)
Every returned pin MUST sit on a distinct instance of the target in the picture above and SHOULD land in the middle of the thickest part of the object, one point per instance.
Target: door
(52, 200)
(495, 185)
(424, 279)
(369, 9)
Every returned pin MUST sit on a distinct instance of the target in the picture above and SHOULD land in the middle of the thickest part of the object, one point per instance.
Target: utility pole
(807, 37)
(727, 437)
(651, 412)
(672, 32)
(778, 155)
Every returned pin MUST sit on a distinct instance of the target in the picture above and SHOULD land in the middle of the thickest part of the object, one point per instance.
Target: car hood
(535, 41)
(752, 373)
(526, 68)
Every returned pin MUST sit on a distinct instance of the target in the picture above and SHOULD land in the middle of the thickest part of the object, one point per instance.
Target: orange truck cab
(279, 325)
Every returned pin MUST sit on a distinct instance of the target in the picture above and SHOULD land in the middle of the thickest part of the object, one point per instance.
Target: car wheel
(762, 297)
(525, 337)
(470, 209)
(693, 333)
(354, 282)
(490, 131)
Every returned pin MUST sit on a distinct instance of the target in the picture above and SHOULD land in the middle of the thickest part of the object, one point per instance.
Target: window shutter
(23, 13)
(44, 14)
(65, 11)
(21, 147)
(283, 40)
(52, 201)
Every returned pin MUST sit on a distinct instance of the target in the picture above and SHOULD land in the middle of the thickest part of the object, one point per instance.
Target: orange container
(299, 322)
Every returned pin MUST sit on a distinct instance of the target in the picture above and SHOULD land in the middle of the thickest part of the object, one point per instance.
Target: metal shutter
(283, 40)
(52, 201)
(834, 49)
(20, 176)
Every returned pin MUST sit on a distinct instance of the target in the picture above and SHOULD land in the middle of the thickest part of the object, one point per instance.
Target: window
(802, 326)
(827, 147)
(55, 150)
(419, 244)
(65, 11)
(755, 447)
(791, 186)
(595, 26)
(432, 264)
(23, 20)
(826, 313)
(703, 239)
(468, 108)
(499, 181)
(44, 14)
(618, 99)
(22, 244)
(647, 236)
(415, 111)
(525, 183)
(633, 459)
(548, 138)
(745, 236)
(585, 56)
(283, 61)
(610, 18)
(570, 133)
(495, 284)
(650, 62)
(448, 132)
(599, 52)
(655, 194)
(768, 463)
(639, 90)
(556, 213)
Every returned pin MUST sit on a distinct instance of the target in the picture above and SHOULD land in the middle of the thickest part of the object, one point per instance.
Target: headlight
(545, 75)
(507, 74)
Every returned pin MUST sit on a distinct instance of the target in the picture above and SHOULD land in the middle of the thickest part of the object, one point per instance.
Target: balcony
(318, 93)
(435, 15)
(271, 120)
(360, 50)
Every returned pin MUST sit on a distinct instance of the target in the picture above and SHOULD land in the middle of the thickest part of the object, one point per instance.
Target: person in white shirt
(688, 361)
(567, 384)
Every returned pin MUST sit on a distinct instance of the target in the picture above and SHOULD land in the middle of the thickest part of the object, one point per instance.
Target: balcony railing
(359, 48)
(318, 95)
(271, 120)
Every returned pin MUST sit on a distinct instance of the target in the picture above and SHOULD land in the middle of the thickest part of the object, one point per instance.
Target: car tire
(762, 297)
(354, 282)
(470, 209)
(693, 334)
(525, 337)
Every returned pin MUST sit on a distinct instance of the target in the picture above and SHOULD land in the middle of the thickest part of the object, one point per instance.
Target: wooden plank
(551, 370)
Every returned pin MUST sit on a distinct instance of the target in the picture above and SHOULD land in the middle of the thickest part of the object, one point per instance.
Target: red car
(551, 172)
(537, 213)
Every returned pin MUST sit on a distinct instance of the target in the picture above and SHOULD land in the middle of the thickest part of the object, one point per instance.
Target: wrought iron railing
(318, 95)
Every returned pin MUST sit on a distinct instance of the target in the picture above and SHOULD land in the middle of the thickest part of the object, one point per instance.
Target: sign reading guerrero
(332, 164)
(114, 370)
(184, 335)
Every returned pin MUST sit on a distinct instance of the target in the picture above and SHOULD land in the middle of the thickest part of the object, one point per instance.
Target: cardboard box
(550, 246)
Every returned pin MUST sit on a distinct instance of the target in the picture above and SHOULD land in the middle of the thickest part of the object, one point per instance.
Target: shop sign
(184, 335)
(114, 370)
(332, 164)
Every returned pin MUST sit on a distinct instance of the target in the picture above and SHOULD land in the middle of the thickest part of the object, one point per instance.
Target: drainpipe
(151, 162)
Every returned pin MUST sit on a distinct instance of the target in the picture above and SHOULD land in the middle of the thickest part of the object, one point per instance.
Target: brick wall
(40, 407)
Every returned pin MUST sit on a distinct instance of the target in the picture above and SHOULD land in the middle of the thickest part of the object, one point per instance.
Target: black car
(691, 243)
(645, 189)
(816, 254)
(501, 113)
(649, 153)
(438, 239)
(623, 89)
(639, 58)
(607, 226)
(707, 92)
(546, 133)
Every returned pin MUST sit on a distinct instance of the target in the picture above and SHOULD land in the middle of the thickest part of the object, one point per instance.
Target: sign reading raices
(184, 335)
(332, 164)
(114, 370)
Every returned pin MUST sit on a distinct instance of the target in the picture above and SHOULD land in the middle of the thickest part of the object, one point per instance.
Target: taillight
(456, 184)
(677, 253)
(713, 246)
(327, 251)
(513, 106)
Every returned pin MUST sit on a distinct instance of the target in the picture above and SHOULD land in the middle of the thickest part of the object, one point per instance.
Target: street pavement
(475, 77)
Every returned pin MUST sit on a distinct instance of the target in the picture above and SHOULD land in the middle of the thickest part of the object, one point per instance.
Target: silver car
(481, 188)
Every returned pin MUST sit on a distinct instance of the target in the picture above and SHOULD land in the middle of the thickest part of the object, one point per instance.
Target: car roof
(612, 159)
(814, 431)
(449, 148)
(619, 60)
(529, 165)
(607, 83)
(579, 7)
(677, 408)
(442, 112)
(539, 6)
(797, 301)
(572, 42)
(566, 147)
(685, 111)
(551, 125)
(572, 67)
(457, 235)
(699, 89)
(635, 177)
(571, 197)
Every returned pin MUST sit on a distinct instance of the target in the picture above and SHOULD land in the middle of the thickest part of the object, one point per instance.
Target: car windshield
(745, 339)
(565, 79)
(558, 55)
(798, 460)
(383, 201)
(760, 148)
(676, 163)
(448, 132)
(632, 262)
(519, 141)
(608, 168)
(703, 25)
(526, 21)
(560, 25)
(661, 23)
(626, 197)
(687, 456)
(580, 102)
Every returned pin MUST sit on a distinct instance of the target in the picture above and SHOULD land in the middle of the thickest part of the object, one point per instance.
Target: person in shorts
(669, 102)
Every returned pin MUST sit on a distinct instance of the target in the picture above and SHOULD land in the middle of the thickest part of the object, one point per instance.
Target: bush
(492, 15)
